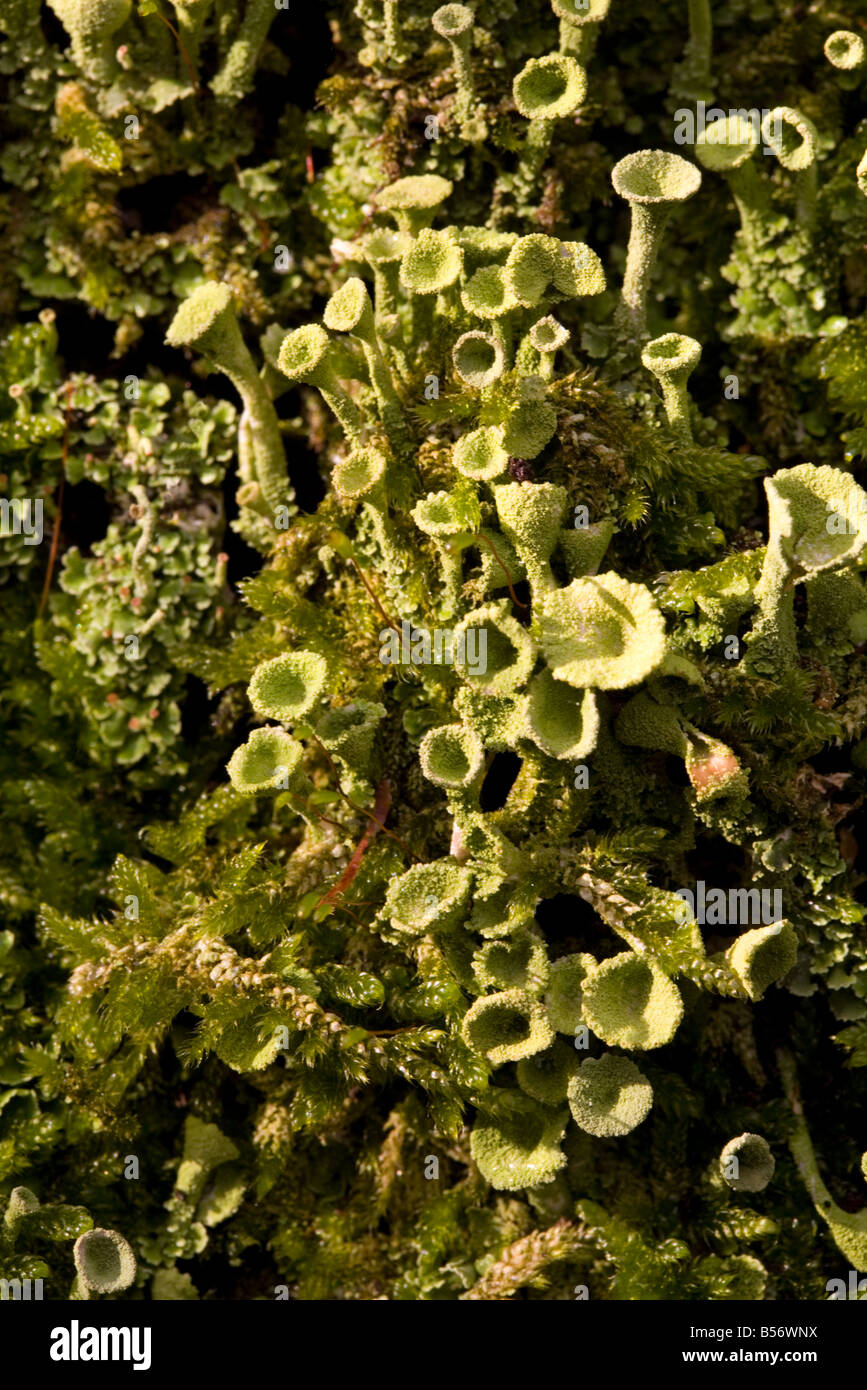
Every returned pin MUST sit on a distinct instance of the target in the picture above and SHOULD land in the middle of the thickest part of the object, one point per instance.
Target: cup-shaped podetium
(846, 50)
(792, 137)
(817, 516)
(454, 23)
(727, 143)
(520, 1146)
(480, 455)
(104, 1261)
(507, 1026)
(653, 182)
(349, 732)
(530, 267)
(562, 721)
(726, 146)
(269, 761)
(564, 997)
(506, 651)
(440, 516)
(288, 686)
(306, 355)
(413, 201)
(672, 359)
(531, 515)
(433, 263)
(817, 520)
(206, 321)
(608, 1096)
(601, 632)
(579, 24)
(547, 337)
(349, 310)
(478, 359)
(549, 88)
(795, 141)
(90, 25)
(360, 474)
(546, 1076)
(520, 962)
(451, 756)
(488, 294)
(529, 424)
(629, 1002)
(428, 897)
(746, 1163)
(762, 956)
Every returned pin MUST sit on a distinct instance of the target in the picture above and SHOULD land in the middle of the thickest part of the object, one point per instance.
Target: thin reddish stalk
(55, 537)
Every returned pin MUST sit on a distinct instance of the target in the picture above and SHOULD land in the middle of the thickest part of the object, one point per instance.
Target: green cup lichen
(629, 1002)
(746, 1163)
(653, 182)
(287, 687)
(451, 756)
(546, 1076)
(507, 1026)
(269, 761)
(428, 897)
(520, 1146)
(602, 632)
(609, 1096)
(563, 999)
